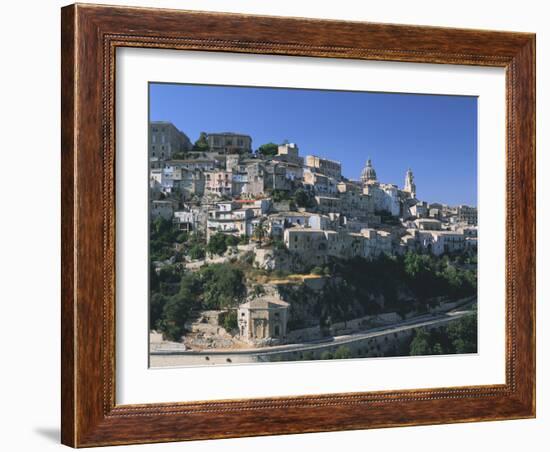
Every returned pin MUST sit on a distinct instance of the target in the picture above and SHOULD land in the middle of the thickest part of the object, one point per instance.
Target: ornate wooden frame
(90, 35)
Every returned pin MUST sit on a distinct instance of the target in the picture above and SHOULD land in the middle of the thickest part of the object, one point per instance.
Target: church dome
(368, 174)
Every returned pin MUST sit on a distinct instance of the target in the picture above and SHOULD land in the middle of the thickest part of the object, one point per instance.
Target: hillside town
(281, 226)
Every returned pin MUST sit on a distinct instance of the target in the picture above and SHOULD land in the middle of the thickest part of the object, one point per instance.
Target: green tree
(463, 334)
(260, 232)
(231, 240)
(162, 235)
(196, 251)
(182, 237)
(179, 156)
(156, 307)
(258, 290)
(303, 199)
(201, 145)
(268, 150)
(280, 195)
(217, 244)
(420, 345)
(223, 286)
(154, 283)
(178, 307)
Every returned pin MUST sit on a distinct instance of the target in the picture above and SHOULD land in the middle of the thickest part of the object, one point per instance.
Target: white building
(186, 221)
(229, 218)
(320, 184)
(385, 197)
(263, 318)
(440, 242)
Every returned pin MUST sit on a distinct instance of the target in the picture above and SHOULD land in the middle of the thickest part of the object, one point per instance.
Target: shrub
(217, 244)
(196, 252)
(231, 240)
(342, 352)
(317, 270)
(229, 320)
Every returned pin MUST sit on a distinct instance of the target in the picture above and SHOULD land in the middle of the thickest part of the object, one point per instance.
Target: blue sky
(436, 136)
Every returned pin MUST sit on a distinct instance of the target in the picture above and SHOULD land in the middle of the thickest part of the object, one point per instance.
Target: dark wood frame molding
(90, 35)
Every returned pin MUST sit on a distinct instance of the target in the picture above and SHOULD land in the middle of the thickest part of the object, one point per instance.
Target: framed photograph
(282, 225)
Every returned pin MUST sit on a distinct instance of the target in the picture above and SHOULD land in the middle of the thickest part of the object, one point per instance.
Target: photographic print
(303, 224)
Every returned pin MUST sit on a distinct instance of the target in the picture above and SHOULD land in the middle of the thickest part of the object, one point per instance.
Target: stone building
(410, 186)
(289, 153)
(419, 210)
(275, 177)
(229, 143)
(189, 183)
(193, 164)
(319, 183)
(162, 208)
(439, 242)
(314, 246)
(467, 214)
(165, 140)
(230, 218)
(161, 180)
(385, 197)
(185, 221)
(376, 242)
(428, 224)
(354, 204)
(330, 168)
(263, 318)
(218, 182)
(310, 244)
(327, 204)
(255, 185)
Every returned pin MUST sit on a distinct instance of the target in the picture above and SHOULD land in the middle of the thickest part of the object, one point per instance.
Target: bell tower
(410, 186)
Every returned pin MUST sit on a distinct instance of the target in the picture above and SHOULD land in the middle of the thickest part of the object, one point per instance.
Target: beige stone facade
(330, 168)
(263, 318)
